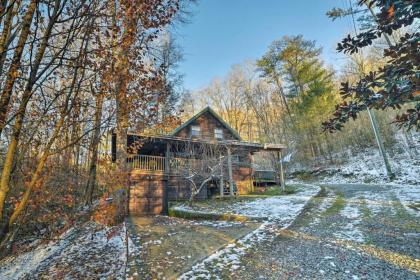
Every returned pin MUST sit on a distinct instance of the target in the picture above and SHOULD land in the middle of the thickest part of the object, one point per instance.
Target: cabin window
(195, 131)
(235, 159)
(218, 133)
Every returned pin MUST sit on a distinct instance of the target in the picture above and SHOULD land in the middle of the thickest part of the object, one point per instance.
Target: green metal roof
(215, 115)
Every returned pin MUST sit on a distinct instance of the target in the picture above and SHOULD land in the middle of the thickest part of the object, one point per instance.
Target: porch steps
(226, 190)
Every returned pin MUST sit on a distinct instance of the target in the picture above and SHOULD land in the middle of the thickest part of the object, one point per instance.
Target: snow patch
(368, 167)
(91, 251)
(280, 210)
(409, 196)
(326, 203)
(351, 230)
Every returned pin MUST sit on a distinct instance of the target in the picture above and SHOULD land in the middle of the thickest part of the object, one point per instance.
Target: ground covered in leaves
(167, 247)
(338, 231)
(178, 248)
(89, 251)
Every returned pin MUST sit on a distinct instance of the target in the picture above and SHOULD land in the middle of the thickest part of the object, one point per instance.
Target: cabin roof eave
(255, 146)
(215, 115)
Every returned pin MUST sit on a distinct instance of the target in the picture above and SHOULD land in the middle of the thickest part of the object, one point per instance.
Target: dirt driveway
(349, 232)
(169, 246)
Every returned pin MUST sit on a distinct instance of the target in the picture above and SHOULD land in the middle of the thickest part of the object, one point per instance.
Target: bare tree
(202, 165)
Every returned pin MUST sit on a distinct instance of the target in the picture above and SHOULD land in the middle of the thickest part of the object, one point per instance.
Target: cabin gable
(206, 125)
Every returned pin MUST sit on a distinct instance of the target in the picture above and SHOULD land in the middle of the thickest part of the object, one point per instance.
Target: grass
(367, 214)
(306, 215)
(204, 207)
(274, 191)
(404, 218)
(367, 218)
(337, 206)
(182, 239)
(415, 206)
(200, 215)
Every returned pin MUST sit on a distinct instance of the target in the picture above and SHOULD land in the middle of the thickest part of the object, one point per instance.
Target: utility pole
(371, 114)
(372, 117)
(388, 41)
(380, 143)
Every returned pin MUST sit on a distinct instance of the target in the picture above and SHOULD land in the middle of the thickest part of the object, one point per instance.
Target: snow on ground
(351, 230)
(277, 208)
(24, 264)
(374, 201)
(91, 251)
(326, 203)
(280, 212)
(272, 208)
(368, 167)
(409, 195)
(216, 224)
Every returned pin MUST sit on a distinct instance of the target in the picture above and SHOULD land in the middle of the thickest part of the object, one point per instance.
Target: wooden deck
(155, 180)
(160, 165)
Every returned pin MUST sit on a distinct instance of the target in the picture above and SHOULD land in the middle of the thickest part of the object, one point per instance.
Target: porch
(161, 165)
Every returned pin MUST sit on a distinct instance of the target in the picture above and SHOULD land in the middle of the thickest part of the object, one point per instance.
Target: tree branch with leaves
(397, 82)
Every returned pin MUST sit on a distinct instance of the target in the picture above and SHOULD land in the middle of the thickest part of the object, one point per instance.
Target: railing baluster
(157, 163)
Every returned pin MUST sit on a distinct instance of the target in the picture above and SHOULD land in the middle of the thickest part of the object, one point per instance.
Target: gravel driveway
(346, 232)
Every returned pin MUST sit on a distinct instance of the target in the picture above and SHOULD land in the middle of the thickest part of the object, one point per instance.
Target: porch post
(166, 180)
(167, 154)
(281, 172)
(221, 183)
(251, 157)
(230, 171)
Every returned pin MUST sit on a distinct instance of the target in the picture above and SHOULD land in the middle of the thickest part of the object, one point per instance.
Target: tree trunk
(55, 133)
(5, 39)
(121, 133)
(34, 180)
(17, 127)
(122, 75)
(94, 150)
(283, 98)
(15, 64)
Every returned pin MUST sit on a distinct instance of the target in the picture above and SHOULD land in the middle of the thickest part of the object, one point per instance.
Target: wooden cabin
(161, 164)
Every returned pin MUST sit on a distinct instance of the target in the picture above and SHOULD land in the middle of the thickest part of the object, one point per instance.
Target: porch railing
(158, 164)
(149, 163)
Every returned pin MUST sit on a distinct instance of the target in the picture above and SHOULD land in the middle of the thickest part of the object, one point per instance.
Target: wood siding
(147, 193)
(207, 124)
(154, 181)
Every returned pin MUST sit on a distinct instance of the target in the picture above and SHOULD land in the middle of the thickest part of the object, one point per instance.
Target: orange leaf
(391, 11)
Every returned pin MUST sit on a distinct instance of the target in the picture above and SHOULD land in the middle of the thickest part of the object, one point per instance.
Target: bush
(275, 190)
(112, 209)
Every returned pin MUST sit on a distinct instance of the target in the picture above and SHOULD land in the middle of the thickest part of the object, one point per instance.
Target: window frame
(195, 131)
(219, 132)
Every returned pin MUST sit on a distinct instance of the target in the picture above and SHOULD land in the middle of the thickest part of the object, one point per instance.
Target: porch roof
(249, 145)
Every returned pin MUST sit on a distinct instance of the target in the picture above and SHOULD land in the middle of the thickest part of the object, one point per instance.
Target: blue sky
(226, 32)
